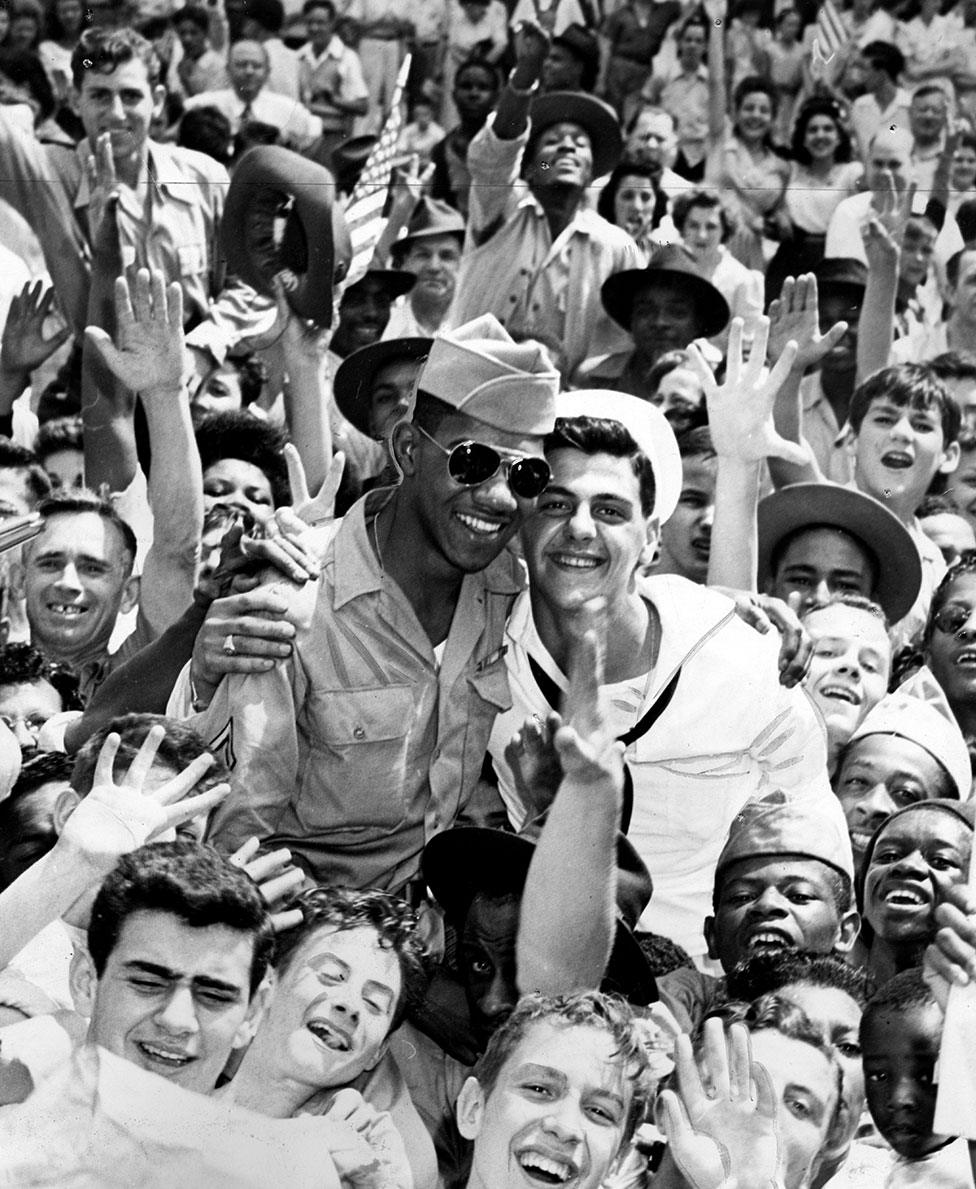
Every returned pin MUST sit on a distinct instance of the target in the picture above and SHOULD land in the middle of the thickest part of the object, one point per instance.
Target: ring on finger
(228, 648)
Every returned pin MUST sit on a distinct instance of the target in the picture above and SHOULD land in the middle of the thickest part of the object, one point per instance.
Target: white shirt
(296, 123)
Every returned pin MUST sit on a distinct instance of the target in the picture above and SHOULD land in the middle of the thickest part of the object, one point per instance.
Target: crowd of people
(504, 715)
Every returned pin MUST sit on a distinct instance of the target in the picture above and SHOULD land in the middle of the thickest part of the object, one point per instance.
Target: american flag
(831, 31)
(364, 210)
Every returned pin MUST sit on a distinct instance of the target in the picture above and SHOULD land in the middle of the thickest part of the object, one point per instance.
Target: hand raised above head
(121, 814)
(740, 411)
(147, 356)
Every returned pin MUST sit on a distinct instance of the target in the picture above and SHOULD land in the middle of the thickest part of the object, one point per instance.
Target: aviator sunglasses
(473, 463)
(952, 618)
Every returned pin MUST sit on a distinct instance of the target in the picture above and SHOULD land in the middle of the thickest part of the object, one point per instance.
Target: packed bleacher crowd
(487, 686)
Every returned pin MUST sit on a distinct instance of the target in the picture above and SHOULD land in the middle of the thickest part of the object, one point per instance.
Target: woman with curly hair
(822, 174)
(633, 199)
(706, 225)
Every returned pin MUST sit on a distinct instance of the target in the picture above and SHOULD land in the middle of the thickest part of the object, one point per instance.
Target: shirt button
(359, 733)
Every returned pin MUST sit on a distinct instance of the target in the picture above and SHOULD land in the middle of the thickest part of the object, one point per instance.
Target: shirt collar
(357, 568)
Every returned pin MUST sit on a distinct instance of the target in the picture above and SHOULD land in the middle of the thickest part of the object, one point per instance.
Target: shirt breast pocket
(355, 771)
(488, 695)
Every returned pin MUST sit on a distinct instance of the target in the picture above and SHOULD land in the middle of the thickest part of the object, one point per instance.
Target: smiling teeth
(767, 939)
(65, 609)
(578, 563)
(485, 527)
(328, 1036)
(838, 691)
(164, 1054)
(904, 896)
(537, 1163)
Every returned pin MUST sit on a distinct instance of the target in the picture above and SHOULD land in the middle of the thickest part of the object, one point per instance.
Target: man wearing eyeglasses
(369, 739)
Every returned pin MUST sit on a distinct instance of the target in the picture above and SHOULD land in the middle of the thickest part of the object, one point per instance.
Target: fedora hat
(395, 281)
(585, 48)
(349, 159)
(314, 246)
(430, 217)
(595, 117)
(459, 863)
(826, 505)
(675, 263)
(353, 384)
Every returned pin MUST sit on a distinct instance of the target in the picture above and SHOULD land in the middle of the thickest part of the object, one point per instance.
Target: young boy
(900, 1035)
(687, 536)
(781, 882)
(904, 751)
(917, 852)
(560, 1088)
(422, 133)
(905, 428)
(850, 667)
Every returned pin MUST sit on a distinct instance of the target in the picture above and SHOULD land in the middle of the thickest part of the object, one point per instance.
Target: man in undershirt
(692, 691)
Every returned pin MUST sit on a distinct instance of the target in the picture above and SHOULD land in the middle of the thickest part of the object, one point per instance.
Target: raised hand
(320, 507)
(531, 44)
(24, 346)
(587, 749)
(103, 185)
(740, 412)
(119, 815)
(880, 248)
(795, 317)
(410, 183)
(302, 341)
(148, 355)
(725, 1136)
(278, 880)
(534, 764)
(892, 206)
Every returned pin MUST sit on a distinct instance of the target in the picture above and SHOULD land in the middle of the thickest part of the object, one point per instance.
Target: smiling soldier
(369, 738)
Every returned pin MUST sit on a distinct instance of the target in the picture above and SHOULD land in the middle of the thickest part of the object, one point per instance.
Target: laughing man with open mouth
(556, 1096)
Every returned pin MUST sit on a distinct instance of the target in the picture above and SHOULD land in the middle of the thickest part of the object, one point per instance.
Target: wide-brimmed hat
(353, 382)
(841, 273)
(596, 118)
(349, 158)
(826, 505)
(459, 863)
(314, 245)
(394, 280)
(430, 217)
(672, 262)
(585, 48)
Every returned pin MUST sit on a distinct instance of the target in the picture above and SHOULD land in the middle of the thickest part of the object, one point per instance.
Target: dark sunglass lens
(472, 463)
(951, 619)
(529, 477)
